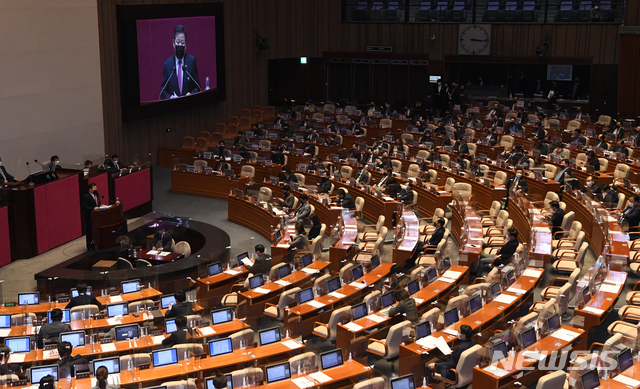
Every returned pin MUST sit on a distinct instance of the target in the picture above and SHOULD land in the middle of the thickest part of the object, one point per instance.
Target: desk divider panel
(134, 189)
(57, 209)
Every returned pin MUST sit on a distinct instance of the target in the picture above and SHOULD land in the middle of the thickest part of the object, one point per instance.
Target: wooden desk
(532, 229)
(210, 290)
(205, 185)
(340, 376)
(466, 228)
(600, 306)
(252, 216)
(344, 247)
(406, 238)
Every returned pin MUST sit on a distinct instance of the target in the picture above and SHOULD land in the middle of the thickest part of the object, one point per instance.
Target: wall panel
(629, 77)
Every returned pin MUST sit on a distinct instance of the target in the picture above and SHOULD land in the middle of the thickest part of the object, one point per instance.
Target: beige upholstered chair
(250, 376)
(464, 369)
(308, 361)
(76, 312)
(287, 298)
(189, 383)
(265, 194)
(247, 171)
(506, 141)
(500, 178)
(183, 247)
(372, 383)
(328, 331)
(138, 359)
(389, 347)
(464, 189)
(568, 262)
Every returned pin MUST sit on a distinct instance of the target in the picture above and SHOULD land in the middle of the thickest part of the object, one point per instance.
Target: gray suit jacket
(304, 210)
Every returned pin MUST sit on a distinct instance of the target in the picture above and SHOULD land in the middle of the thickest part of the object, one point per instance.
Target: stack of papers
(496, 371)
(337, 295)
(283, 282)
(17, 358)
(532, 273)
(206, 331)
(452, 274)
(315, 304)
(565, 335)
(627, 381)
(108, 347)
(417, 300)
(353, 327)
(113, 321)
(261, 290)
(357, 284)
(303, 382)
(608, 288)
(157, 339)
(115, 299)
(376, 318)
(310, 271)
(594, 310)
(320, 377)
(164, 253)
(505, 298)
(451, 331)
(247, 262)
(232, 272)
(447, 280)
(292, 344)
(516, 290)
(5, 332)
(152, 252)
(534, 355)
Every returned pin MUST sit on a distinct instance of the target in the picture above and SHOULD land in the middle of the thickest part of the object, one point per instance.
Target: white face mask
(460, 336)
(589, 183)
(0, 163)
(57, 162)
(519, 175)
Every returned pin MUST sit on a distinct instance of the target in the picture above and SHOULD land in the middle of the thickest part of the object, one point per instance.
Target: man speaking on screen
(180, 72)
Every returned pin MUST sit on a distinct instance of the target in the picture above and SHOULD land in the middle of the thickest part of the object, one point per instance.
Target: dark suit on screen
(88, 204)
(10, 178)
(170, 73)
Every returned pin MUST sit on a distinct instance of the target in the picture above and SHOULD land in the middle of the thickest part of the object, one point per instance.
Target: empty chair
(328, 331)
(232, 131)
(492, 13)
(566, 227)
(605, 120)
(200, 164)
(142, 263)
(458, 12)
(206, 135)
(464, 189)
(373, 383)
(488, 216)
(250, 376)
(124, 264)
(346, 171)
(551, 170)
(500, 221)
(247, 171)
(568, 262)
(317, 116)
(288, 297)
(621, 171)
(445, 159)
(320, 284)
(370, 232)
(138, 359)
(268, 112)
(500, 178)
(359, 206)
(506, 141)
(189, 383)
(390, 347)
(201, 144)
(245, 124)
(188, 142)
(183, 247)
(329, 108)
(265, 194)
(21, 319)
(306, 361)
(570, 235)
(244, 336)
(245, 113)
(413, 171)
(77, 313)
(301, 178)
(141, 305)
(397, 165)
(385, 123)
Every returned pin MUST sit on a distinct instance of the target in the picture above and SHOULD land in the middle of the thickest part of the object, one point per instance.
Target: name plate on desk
(19, 383)
(80, 376)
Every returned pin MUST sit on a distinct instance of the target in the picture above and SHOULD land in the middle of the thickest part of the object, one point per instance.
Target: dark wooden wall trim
(629, 76)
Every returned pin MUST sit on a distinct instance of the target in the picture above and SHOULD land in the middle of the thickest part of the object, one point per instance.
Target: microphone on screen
(165, 84)
(43, 167)
(184, 67)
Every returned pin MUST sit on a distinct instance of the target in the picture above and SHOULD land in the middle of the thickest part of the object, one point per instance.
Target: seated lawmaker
(444, 368)
(53, 164)
(631, 216)
(500, 258)
(182, 306)
(406, 194)
(51, 331)
(286, 176)
(610, 196)
(591, 187)
(4, 176)
(406, 305)
(83, 299)
(304, 209)
(261, 263)
(66, 361)
(345, 200)
(5, 366)
(183, 334)
(593, 160)
(287, 200)
(556, 217)
(324, 186)
(621, 148)
(298, 243)
(517, 183)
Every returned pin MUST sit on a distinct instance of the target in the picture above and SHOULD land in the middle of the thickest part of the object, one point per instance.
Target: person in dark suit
(183, 334)
(287, 200)
(444, 368)
(385, 161)
(304, 209)
(444, 140)
(306, 122)
(519, 158)
(324, 186)
(437, 235)
(517, 183)
(66, 361)
(501, 258)
(564, 172)
(180, 71)
(182, 306)
(461, 146)
(261, 264)
(514, 127)
(592, 187)
(116, 164)
(406, 194)
(297, 244)
(53, 329)
(83, 298)
(345, 200)
(4, 176)
(354, 153)
(164, 241)
(557, 216)
(491, 136)
(578, 138)
(278, 120)
(621, 148)
(309, 148)
(593, 160)
(362, 175)
(286, 176)
(90, 202)
(539, 131)
(631, 216)
(602, 142)
(387, 180)
(406, 305)
(610, 196)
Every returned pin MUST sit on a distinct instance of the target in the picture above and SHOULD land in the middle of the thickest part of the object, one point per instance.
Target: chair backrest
(359, 204)
(346, 171)
(604, 119)
(395, 336)
(424, 154)
(245, 113)
(373, 383)
(317, 116)
(89, 309)
(21, 319)
(551, 170)
(552, 380)
(604, 164)
(449, 183)
(397, 165)
(124, 264)
(472, 148)
(316, 246)
(433, 175)
(301, 178)
(495, 208)
(464, 189)
(138, 359)
(445, 159)
(506, 141)
(563, 297)
(345, 271)
(183, 247)
(567, 220)
(468, 360)
(573, 125)
(308, 361)
(413, 171)
(247, 171)
(340, 315)
(188, 142)
(5, 379)
(582, 252)
(320, 284)
(502, 217)
(189, 383)
(273, 272)
(576, 227)
(500, 178)
(286, 298)
(551, 196)
(573, 279)
(621, 198)
(246, 377)
(265, 194)
(201, 144)
(246, 336)
(432, 317)
(141, 305)
(621, 171)
(385, 123)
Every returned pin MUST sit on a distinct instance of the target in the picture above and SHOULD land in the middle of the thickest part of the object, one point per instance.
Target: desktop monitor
(431, 274)
(170, 326)
(112, 364)
(270, 335)
(498, 351)
(404, 382)
(74, 292)
(423, 330)
(29, 298)
(21, 344)
(5, 321)
(220, 316)
(284, 271)
(215, 268)
(358, 311)
(586, 294)
(554, 323)
(242, 256)
(333, 284)
(590, 379)
(451, 317)
(165, 357)
(495, 290)
(129, 331)
(256, 281)
(388, 299)
(220, 347)
(357, 272)
(168, 300)
(306, 260)
(130, 286)
(413, 287)
(475, 302)
(66, 316)
(528, 337)
(510, 277)
(446, 264)
(625, 360)
(76, 338)
(331, 359)
(305, 295)
(278, 372)
(37, 373)
(375, 261)
(119, 309)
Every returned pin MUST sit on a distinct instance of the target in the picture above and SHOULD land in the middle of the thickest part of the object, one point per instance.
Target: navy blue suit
(170, 73)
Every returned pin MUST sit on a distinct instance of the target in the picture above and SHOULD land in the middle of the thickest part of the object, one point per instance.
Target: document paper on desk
(353, 327)
(320, 377)
(112, 321)
(310, 271)
(532, 273)
(261, 290)
(452, 274)
(627, 380)
(357, 284)
(505, 298)
(115, 299)
(283, 282)
(595, 311)
(158, 339)
(565, 335)
(108, 347)
(516, 290)
(292, 344)
(152, 252)
(337, 295)
(206, 330)
(496, 371)
(534, 355)
(5, 332)
(315, 304)
(17, 358)
(303, 382)
(376, 318)
(431, 342)
(608, 288)
(232, 272)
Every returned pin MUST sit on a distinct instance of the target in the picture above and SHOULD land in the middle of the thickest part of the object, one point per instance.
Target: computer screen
(510, 277)
(375, 261)
(66, 316)
(305, 295)
(404, 382)
(74, 292)
(625, 359)
(590, 379)
(5, 321)
(451, 317)
(586, 294)
(221, 316)
(528, 337)
(413, 287)
(475, 302)
(19, 344)
(256, 281)
(168, 300)
(28, 298)
(76, 338)
(284, 271)
(130, 286)
(112, 365)
(170, 325)
(270, 335)
(553, 323)
(498, 351)
(333, 284)
(423, 329)
(242, 256)
(279, 372)
(306, 260)
(358, 311)
(215, 268)
(495, 289)
(357, 272)
(331, 359)
(37, 373)
(432, 274)
(129, 331)
(388, 299)
(446, 264)
(119, 309)
(165, 357)
(220, 347)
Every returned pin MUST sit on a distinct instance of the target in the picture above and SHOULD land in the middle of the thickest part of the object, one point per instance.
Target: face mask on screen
(180, 51)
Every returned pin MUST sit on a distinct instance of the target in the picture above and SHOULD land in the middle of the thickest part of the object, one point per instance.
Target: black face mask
(180, 51)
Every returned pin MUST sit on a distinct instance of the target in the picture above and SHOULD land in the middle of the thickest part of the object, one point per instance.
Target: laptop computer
(388, 299)
(331, 359)
(38, 373)
(528, 337)
(451, 317)
(423, 330)
(590, 379)
(130, 286)
(404, 382)
(278, 372)
(358, 311)
(305, 295)
(125, 332)
(215, 268)
(165, 357)
(220, 347)
(268, 336)
(220, 316)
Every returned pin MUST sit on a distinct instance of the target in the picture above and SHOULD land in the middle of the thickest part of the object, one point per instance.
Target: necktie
(95, 199)
(180, 75)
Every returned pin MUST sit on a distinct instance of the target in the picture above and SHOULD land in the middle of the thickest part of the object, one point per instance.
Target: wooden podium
(107, 225)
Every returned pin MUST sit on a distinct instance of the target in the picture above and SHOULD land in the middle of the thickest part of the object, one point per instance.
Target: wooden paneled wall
(632, 13)
(297, 28)
(629, 76)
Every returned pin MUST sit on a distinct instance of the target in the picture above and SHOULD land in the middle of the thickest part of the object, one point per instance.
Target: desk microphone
(43, 167)
(184, 67)
(165, 84)
(30, 176)
(109, 202)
